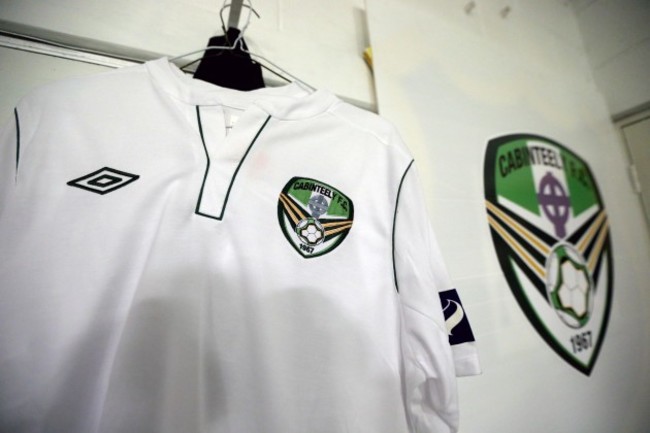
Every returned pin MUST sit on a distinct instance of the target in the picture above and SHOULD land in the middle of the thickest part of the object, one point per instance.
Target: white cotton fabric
(176, 303)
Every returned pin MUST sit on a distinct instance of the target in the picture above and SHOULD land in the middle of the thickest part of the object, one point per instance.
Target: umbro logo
(104, 180)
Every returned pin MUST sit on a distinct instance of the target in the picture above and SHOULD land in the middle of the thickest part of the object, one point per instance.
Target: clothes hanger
(217, 42)
(238, 46)
(234, 68)
(229, 68)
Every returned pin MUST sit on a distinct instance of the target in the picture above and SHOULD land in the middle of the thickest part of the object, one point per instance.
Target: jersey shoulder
(372, 124)
(85, 90)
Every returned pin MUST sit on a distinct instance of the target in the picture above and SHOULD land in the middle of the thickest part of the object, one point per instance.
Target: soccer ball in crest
(569, 286)
(310, 231)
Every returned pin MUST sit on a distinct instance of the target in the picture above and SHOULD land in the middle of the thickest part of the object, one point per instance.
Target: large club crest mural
(551, 235)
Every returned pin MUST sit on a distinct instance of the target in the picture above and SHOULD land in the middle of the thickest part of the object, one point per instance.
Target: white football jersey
(180, 257)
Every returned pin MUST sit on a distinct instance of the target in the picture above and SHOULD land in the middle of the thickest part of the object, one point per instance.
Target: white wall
(319, 42)
(616, 34)
(451, 81)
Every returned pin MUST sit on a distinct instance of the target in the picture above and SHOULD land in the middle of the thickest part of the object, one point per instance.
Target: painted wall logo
(314, 217)
(551, 234)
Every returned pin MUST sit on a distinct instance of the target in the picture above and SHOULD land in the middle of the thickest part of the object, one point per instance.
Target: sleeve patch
(456, 319)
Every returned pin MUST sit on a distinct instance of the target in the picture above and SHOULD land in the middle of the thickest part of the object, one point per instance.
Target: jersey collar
(289, 102)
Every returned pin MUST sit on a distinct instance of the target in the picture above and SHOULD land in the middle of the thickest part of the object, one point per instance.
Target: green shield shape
(551, 235)
(314, 216)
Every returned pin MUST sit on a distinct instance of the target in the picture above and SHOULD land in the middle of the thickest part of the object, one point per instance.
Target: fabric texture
(180, 257)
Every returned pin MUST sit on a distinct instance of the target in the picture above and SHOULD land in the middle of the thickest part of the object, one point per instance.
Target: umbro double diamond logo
(104, 180)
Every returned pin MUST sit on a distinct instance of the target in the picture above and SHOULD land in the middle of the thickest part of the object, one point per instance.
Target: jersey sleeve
(430, 365)
(461, 336)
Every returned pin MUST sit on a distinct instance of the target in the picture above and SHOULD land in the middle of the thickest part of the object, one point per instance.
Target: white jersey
(179, 257)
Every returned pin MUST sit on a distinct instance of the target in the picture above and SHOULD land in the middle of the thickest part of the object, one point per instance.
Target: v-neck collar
(289, 102)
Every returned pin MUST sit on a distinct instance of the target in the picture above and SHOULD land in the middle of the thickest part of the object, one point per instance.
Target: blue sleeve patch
(456, 320)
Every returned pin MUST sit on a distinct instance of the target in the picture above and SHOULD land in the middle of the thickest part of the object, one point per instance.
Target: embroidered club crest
(314, 217)
(551, 235)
